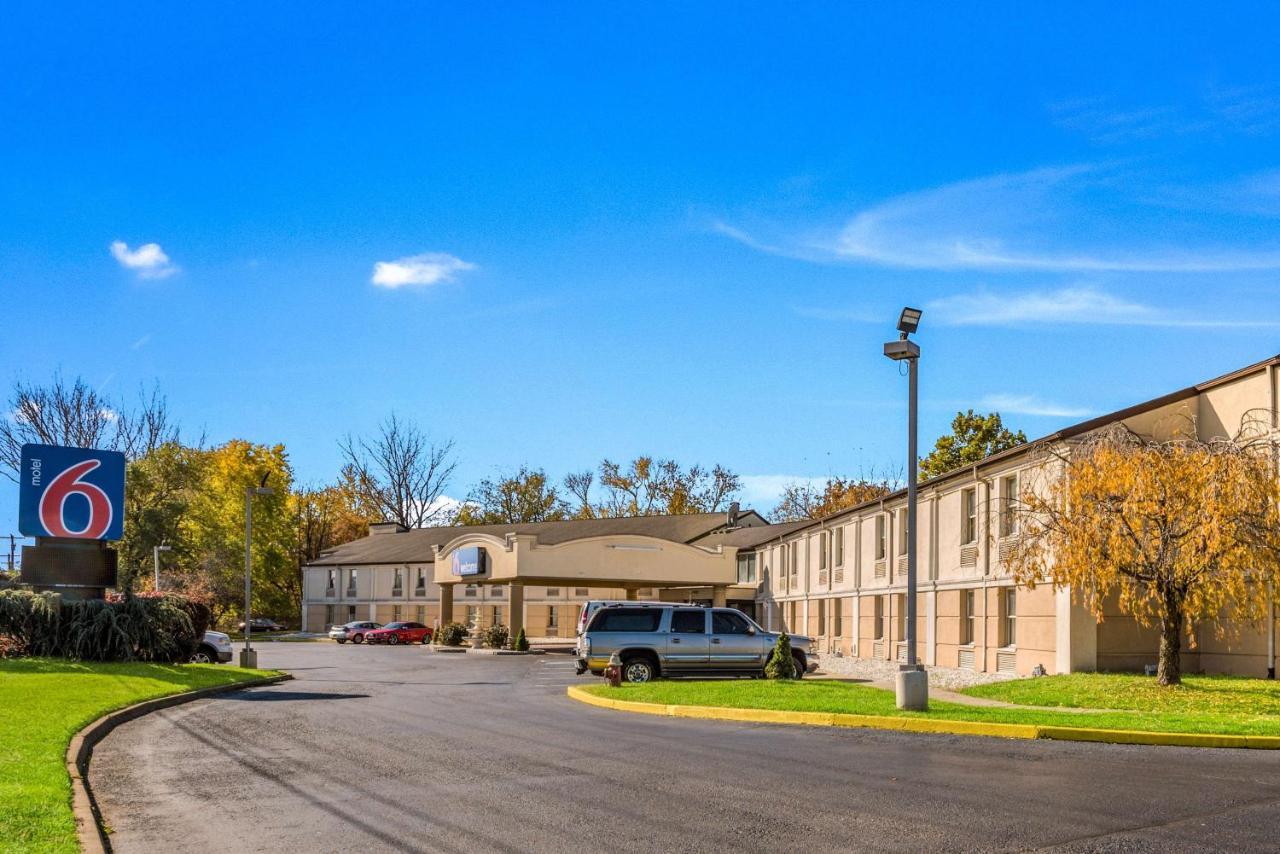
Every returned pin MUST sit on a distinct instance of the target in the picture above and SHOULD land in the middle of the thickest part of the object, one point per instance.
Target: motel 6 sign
(71, 492)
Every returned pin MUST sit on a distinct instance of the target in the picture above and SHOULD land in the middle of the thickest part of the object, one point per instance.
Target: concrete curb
(997, 730)
(89, 830)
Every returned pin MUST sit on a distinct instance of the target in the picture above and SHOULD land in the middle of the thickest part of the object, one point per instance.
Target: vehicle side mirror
(751, 630)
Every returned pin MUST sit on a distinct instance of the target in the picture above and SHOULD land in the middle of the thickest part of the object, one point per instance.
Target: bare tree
(578, 484)
(398, 474)
(78, 416)
(141, 430)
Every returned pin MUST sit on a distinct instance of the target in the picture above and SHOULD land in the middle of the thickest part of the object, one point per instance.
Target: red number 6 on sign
(62, 487)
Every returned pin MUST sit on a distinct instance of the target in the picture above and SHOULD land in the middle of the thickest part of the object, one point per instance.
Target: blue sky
(612, 229)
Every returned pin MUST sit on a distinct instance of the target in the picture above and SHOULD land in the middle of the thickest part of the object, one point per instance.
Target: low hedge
(451, 634)
(156, 627)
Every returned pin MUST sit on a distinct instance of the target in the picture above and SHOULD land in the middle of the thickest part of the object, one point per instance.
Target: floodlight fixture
(909, 321)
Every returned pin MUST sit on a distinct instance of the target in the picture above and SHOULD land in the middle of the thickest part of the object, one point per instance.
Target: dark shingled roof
(418, 545)
(749, 538)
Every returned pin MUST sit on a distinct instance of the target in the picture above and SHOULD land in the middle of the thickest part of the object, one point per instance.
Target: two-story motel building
(840, 579)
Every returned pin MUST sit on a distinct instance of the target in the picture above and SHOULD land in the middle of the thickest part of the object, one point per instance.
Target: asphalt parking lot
(403, 749)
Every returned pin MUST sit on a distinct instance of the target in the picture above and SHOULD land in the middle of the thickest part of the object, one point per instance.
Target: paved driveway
(401, 749)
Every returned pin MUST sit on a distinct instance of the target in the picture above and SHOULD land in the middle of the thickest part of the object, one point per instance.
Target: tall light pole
(248, 657)
(155, 557)
(912, 683)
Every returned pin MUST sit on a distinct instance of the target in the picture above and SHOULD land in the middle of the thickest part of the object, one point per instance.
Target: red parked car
(396, 633)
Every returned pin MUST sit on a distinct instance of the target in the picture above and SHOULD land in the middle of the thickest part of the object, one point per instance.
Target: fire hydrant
(613, 671)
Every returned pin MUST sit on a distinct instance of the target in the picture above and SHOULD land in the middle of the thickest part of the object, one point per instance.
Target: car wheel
(203, 656)
(357, 638)
(799, 663)
(341, 640)
(426, 639)
(638, 670)
(393, 640)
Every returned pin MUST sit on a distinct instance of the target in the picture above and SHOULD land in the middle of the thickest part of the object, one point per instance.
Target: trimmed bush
(163, 628)
(782, 665)
(521, 643)
(496, 636)
(451, 634)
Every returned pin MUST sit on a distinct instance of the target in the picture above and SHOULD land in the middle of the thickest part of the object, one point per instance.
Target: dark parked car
(353, 631)
(397, 633)
(263, 624)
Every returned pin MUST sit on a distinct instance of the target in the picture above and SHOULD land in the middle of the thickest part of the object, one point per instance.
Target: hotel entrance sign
(75, 493)
(470, 561)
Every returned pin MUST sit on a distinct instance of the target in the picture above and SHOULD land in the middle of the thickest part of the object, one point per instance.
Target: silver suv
(685, 640)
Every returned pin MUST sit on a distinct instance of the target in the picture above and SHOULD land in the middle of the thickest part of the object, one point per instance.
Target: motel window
(470, 590)
(1008, 505)
(421, 586)
(839, 547)
(495, 592)
(822, 550)
(792, 620)
(351, 582)
(328, 615)
(581, 591)
(351, 613)
(397, 585)
(882, 538)
(331, 583)
(397, 614)
(747, 569)
(795, 564)
(900, 618)
(553, 591)
(497, 615)
(879, 618)
(968, 617)
(903, 533)
(553, 617)
(822, 616)
(968, 516)
(473, 615)
(837, 619)
(1009, 617)
(420, 614)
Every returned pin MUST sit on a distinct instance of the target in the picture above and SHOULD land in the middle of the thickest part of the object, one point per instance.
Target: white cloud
(429, 268)
(1080, 304)
(149, 261)
(1066, 305)
(1012, 222)
(1080, 218)
(1025, 404)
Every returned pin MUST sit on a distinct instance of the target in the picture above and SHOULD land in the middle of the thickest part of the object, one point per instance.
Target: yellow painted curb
(906, 724)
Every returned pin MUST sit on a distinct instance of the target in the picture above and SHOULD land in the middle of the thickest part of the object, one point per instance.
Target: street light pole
(912, 683)
(248, 656)
(155, 557)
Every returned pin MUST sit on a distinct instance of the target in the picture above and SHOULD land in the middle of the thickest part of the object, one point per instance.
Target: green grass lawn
(1200, 695)
(1231, 710)
(43, 702)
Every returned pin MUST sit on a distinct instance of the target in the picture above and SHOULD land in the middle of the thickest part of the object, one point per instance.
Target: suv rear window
(626, 620)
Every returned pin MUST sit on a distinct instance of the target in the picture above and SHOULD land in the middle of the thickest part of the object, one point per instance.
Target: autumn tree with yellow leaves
(1180, 531)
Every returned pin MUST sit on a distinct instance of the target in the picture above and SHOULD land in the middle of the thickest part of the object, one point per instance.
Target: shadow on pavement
(274, 696)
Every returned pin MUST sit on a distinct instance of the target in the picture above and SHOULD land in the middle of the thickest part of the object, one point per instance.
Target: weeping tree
(1177, 531)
